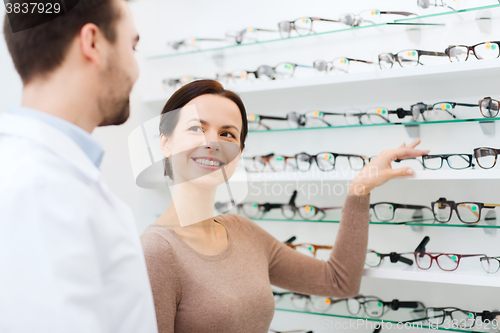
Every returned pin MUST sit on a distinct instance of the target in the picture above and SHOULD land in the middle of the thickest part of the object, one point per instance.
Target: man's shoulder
(33, 168)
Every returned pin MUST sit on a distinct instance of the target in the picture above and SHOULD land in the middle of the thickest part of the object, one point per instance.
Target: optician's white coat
(70, 255)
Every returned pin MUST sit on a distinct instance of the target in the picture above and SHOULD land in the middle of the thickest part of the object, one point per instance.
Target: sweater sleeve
(164, 282)
(340, 276)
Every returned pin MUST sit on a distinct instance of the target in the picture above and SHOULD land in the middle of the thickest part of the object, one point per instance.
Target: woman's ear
(164, 146)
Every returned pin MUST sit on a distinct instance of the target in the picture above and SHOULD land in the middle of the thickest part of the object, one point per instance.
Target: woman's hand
(379, 170)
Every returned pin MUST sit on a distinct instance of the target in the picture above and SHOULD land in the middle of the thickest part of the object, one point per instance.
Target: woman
(214, 274)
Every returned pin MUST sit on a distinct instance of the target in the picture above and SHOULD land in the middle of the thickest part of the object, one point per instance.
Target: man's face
(121, 72)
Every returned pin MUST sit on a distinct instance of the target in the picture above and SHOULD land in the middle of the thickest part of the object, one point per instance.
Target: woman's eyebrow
(231, 126)
(204, 122)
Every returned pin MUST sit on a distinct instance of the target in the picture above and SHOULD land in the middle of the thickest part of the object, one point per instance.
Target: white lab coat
(70, 254)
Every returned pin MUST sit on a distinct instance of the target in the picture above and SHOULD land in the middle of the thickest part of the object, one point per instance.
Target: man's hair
(40, 50)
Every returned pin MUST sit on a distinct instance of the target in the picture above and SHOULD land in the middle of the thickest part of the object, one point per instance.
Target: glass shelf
(400, 22)
(291, 38)
(378, 320)
(458, 11)
(339, 311)
(412, 123)
(422, 222)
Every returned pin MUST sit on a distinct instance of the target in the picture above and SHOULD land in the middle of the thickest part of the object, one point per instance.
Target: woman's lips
(207, 162)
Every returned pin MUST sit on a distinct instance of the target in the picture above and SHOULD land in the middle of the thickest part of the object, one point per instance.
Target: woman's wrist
(359, 187)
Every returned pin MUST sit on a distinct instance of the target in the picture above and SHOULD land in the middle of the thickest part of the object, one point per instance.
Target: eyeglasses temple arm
(398, 13)
(323, 247)
(267, 30)
(472, 255)
(328, 208)
(273, 118)
(359, 60)
(491, 205)
(322, 19)
(412, 207)
(305, 66)
(433, 53)
(332, 113)
(467, 104)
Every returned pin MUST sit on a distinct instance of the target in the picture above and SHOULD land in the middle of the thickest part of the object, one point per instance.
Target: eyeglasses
(485, 50)
(455, 161)
(375, 259)
(308, 249)
(283, 70)
(240, 35)
(489, 107)
(418, 109)
(302, 26)
(446, 261)
(306, 212)
(426, 3)
(371, 16)
(255, 121)
(326, 161)
(317, 303)
(461, 318)
(486, 157)
(372, 116)
(338, 64)
(490, 264)
(406, 58)
(374, 307)
(235, 76)
(178, 82)
(303, 302)
(276, 162)
(192, 41)
(386, 211)
(294, 119)
(467, 212)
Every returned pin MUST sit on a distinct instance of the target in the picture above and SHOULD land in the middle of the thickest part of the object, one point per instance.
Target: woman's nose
(214, 145)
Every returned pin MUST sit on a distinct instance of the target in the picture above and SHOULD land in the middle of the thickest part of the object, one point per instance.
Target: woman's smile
(208, 162)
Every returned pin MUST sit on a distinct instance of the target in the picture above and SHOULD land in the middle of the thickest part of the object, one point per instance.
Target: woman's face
(205, 142)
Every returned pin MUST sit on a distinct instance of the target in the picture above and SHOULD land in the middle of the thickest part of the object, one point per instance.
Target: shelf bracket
(483, 21)
(219, 59)
(413, 131)
(488, 127)
(416, 228)
(490, 219)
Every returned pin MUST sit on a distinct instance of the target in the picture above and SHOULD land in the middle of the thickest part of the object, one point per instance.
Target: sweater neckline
(217, 256)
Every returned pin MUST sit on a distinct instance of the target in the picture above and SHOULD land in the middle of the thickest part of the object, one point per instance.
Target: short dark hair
(186, 94)
(39, 50)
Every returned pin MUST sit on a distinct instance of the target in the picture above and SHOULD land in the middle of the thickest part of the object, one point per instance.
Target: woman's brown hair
(186, 94)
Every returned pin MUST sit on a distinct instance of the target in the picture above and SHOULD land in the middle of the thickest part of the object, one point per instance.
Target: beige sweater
(231, 291)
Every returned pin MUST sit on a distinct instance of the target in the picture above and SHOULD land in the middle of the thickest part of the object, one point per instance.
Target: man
(70, 256)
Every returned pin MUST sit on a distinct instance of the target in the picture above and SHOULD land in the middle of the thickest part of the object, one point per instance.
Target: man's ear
(90, 42)
(164, 146)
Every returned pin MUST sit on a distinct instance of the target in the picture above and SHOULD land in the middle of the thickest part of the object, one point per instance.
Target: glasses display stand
(425, 21)
(371, 87)
(339, 310)
(488, 127)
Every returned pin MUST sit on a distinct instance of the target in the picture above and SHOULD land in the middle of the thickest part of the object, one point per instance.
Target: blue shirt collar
(90, 146)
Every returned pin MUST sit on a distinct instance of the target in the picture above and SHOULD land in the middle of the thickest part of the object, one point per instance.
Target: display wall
(362, 88)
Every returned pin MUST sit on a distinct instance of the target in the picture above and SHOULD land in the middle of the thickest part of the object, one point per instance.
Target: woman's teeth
(207, 162)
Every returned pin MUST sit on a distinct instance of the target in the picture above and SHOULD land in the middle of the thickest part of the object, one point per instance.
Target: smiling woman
(214, 273)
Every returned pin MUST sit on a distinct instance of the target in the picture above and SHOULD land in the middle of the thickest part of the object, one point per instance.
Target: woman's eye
(231, 135)
(196, 129)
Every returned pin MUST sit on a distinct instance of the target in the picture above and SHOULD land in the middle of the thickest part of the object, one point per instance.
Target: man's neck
(54, 97)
